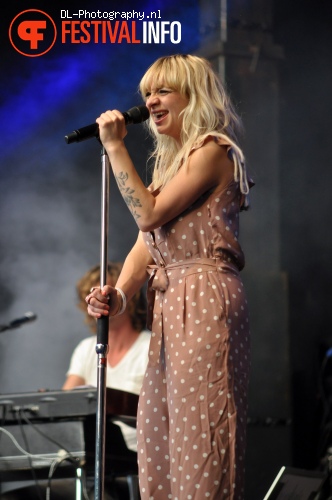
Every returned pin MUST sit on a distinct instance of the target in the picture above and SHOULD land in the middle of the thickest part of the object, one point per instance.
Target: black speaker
(298, 484)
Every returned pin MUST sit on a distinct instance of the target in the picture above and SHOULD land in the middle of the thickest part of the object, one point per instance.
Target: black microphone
(16, 323)
(29, 316)
(138, 114)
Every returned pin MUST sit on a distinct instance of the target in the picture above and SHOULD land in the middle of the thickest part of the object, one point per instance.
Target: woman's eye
(163, 91)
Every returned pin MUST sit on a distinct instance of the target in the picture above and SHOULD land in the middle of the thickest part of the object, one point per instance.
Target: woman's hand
(112, 128)
(103, 302)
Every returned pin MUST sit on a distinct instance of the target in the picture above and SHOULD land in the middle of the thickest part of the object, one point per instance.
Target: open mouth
(159, 115)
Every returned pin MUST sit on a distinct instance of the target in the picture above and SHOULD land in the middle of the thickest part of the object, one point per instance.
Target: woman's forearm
(133, 274)
(137, 197)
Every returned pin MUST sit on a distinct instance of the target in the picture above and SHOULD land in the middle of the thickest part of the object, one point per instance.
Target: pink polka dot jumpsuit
(192, 410)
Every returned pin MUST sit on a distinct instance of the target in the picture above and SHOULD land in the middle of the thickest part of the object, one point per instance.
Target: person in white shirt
(128, 346)
(126, 364)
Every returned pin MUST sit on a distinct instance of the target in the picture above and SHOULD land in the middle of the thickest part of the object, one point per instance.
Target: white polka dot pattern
(193, 403)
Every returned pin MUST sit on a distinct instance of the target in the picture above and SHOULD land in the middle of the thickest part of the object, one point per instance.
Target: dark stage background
(276, 60)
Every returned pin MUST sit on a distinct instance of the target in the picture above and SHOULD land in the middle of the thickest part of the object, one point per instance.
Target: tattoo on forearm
(127, 194)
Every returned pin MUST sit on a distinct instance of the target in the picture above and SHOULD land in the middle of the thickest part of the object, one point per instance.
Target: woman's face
(165, 106)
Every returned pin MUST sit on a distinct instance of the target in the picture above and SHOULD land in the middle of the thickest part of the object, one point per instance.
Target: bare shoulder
(214, 158)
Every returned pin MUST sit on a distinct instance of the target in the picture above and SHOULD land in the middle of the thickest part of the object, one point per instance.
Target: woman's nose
(152, 99)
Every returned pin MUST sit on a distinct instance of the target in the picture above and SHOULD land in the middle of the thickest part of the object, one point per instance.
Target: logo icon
(32, 33)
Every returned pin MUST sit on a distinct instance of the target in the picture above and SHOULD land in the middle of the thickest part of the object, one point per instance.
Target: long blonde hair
(209, 113)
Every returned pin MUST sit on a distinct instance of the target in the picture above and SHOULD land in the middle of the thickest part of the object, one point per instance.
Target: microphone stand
(102, 336)
(138, 114)
(4, 328)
